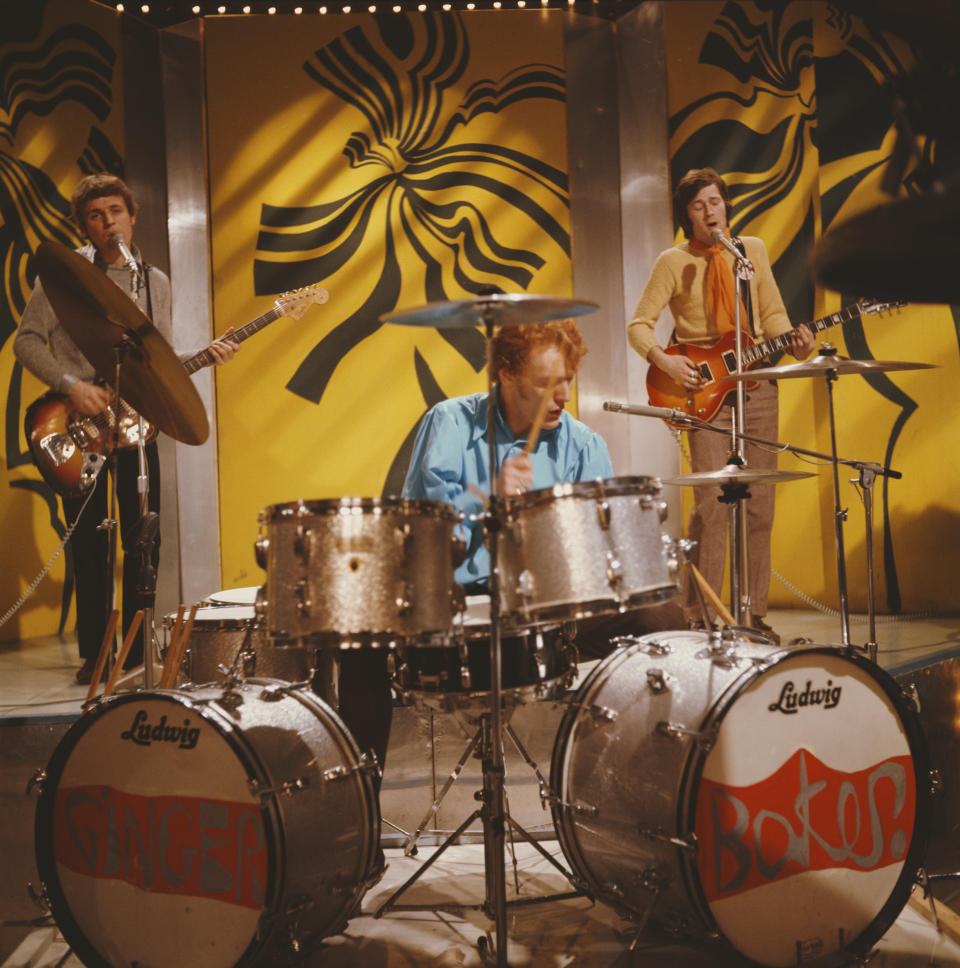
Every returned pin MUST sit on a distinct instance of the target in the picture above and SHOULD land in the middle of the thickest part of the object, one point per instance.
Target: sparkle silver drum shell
(232, 637)
(777, 798)
(584, 548)
(210, 828)
(375, 569)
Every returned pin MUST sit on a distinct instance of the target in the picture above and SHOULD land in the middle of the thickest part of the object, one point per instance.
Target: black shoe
(85, 672)
(761, 626)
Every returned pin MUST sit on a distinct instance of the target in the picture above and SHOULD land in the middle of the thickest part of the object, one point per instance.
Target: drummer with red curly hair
(451, 454)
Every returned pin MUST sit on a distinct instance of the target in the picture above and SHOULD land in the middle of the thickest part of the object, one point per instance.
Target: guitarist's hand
(802, 342)
(222, 349)
(679, 368)
(88, 398)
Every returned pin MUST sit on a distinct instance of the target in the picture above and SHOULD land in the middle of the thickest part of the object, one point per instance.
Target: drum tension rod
(704, 740)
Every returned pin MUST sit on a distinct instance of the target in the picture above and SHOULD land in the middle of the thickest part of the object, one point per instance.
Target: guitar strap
(748, 301)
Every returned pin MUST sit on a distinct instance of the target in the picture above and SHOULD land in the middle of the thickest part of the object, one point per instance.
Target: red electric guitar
(720, 360)
(58, 436)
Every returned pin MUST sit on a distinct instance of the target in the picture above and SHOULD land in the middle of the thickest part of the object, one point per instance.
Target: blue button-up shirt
(451, 452)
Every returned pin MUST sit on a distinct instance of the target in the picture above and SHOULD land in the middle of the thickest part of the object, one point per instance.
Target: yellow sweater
(678, 280)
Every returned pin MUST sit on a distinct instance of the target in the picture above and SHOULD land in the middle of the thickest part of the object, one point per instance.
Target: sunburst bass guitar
(720, 360)
(59, 437)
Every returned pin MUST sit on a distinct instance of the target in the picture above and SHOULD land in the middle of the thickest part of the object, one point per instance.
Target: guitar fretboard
(205, 357)
(760, 350)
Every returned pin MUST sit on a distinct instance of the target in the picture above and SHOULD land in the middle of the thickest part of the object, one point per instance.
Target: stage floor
(38, 701)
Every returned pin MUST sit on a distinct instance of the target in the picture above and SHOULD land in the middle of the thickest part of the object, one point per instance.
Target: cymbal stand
(868, 475)
(480, 741)
(492, 812)
(740, 603)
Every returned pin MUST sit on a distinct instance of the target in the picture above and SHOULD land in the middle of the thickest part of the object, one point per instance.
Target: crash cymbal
(737, 474)
(826, 364)
(98, 315)
(899, 250)
(504, 309)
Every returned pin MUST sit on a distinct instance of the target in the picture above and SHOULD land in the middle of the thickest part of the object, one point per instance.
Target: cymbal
(737, 474)
(504, 309)
(904, 249)
(98, 315)
(824, 365)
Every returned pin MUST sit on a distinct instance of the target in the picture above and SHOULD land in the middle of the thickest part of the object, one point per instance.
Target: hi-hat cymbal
(826, 364)
(899, 250)
(98, 316)
(737, 474)
(503, 309)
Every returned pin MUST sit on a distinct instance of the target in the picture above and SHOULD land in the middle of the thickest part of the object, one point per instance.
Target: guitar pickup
(730, 361)
(58, 447)
(706, 374)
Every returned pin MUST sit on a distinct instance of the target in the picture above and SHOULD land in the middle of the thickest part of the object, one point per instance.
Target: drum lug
(38, 779)
(661, 836)
(40, 898)
(260, 548)
(663, 510)
(260, 603)
(614, 571)
(580, 809)
(603, 515)
(652, 880)
(274, 692)
(301, 543)
(912, 696)
(301, 597)
(936, 782)
(366, 764)
(465, 680)
(656, 681)
(404, 599)
(601, 714)
(704, 740)
(525, 585)
(286, 788)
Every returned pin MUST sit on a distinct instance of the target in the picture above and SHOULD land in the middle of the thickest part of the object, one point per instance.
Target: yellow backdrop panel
(412, 159)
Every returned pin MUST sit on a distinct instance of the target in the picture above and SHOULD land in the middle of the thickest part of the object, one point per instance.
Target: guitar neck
(205, 357)
(782, 342)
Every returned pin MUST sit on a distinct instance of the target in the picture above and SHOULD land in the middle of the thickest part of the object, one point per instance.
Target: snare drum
(234, 596)
(208, 827)
(778, 798)
(232, 636)
(376, 568)
(537, 662)
(585, 548)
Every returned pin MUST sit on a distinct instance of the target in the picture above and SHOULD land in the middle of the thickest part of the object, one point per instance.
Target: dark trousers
(89, 547)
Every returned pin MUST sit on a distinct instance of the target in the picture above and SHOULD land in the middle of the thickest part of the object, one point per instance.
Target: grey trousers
(708, 518)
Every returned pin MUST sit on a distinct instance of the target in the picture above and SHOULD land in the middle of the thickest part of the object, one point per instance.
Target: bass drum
(778, 798)
(209, 827)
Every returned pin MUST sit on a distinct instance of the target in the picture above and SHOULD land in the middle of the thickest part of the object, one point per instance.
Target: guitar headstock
(296, 302)
(870, 307)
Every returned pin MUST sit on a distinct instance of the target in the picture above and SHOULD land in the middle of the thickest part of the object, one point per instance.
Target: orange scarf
(721, 300)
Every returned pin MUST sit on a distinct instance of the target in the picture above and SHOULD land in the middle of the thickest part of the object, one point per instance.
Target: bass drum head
(155, 849)
(810, 809)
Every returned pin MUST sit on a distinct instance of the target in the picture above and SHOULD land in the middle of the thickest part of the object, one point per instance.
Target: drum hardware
(656, 681)
(758, 737)
(830, 366)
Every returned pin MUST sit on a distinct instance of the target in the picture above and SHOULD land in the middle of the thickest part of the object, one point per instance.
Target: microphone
(720, 239)
(664, 413)
(121, 244)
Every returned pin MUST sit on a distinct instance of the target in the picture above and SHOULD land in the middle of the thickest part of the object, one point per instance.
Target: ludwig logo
(804, 817)
(791, 701)
(144, 733)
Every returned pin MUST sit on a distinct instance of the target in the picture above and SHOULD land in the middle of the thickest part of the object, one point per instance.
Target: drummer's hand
(516, 476)
(680, 369)
(88, 398)
(802, 342)
(223, 349)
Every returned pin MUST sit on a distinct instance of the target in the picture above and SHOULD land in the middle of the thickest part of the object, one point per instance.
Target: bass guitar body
(59, 438)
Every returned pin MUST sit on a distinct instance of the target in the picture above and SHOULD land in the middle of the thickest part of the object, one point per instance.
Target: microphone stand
(868, 472)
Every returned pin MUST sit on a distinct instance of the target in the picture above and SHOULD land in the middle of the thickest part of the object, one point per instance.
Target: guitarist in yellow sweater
(695, 279)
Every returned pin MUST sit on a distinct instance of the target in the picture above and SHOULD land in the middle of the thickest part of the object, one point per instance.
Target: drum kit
(696, 778)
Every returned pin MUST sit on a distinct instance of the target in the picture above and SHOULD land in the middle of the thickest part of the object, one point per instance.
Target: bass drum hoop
(692, 772)
(584, 490)
(43, 824)
(366, 505)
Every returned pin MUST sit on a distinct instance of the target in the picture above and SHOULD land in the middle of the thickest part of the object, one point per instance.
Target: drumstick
(171, 649)
(534, 432)
(728, 619)
(176, 660)
(105, 648)
(124, 651)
